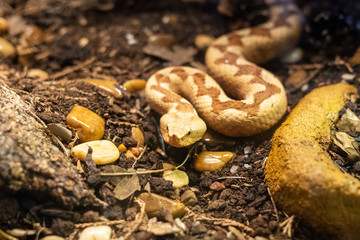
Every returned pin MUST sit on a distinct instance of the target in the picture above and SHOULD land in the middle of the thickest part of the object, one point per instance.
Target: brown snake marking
(261, 99)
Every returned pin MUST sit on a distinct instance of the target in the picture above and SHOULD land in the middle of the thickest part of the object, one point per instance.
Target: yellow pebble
(88, 124)
(33, 34)
(138, 135)
(134, 85)
(96, 233)
(154, 203)
(3, 25)
(104, 151)
(38, 74)
(122, 148)
(6, 48)
(212, 161)
(203, 41)
(107, 86)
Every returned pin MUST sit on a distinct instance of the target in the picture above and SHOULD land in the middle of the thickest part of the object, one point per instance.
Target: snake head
(182, 129)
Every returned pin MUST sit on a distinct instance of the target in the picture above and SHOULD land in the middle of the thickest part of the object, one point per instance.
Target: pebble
(4, 26)
(179, 178)
(96, 233)
(37, 74)
(33, 34)
(134, 85)
(217, 186)
(88, 124)
(6, 48)
(203, 41)
(293, 57)
(234, 169)
(52, 237)
(138, 135)
(60, 131)
(212, 161)
(104, 151)
(162, 40)
(107, 86)
(131, 40)
(212, 139)
(247, 150)
(248, 166)
(305, 87)
(154, 203)
(189, 198)
(122, 148)
(348, 76)
(170, 19)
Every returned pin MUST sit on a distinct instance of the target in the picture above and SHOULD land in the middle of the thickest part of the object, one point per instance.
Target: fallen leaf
(177, 56)
(126, 187)
(178, 177)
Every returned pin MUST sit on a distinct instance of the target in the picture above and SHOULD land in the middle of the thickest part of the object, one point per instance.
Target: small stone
(83, 42)
(179, 178)
(154, 203)
(107, 86)
(217, 186)
(37, 74)
(96, 233)
(293, 56)
(203, 41)
(348, 76)
(131, 40)
(212, 161)
(129, 154)
(189, 198)
(138, 135)
(162, 40)
(247, 150)
(212, 139)
(104, 151)
(305, 87)
(135, 85)
(6, 48)
(52, 237)
(33, 34)
(4, 26)
(234, 169)
(88, 124)
(170, 19)
(247, 166)
(122, 148)
(60, 131)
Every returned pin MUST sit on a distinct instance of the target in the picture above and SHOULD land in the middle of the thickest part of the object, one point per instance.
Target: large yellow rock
(300, 173)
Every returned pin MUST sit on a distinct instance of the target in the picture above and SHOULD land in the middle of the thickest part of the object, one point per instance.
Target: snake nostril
(189, 132)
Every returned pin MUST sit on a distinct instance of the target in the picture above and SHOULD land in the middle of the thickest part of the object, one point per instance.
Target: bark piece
(30, 161)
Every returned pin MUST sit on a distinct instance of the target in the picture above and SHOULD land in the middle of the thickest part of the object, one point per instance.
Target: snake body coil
(254, 100)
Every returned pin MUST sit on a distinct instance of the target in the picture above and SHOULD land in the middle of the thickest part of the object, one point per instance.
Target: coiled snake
(255, 99)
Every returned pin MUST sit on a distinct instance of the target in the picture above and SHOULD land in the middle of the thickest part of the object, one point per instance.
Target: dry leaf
(178, 177)
(349, 123)
(178, 56)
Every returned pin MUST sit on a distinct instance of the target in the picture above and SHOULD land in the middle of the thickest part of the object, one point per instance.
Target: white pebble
(305, 87)
(248, 166)
(348, 76)
(294, 56)
(96, 233)
(234, 169)
(247, 150)
(104, 151)
(131, 40)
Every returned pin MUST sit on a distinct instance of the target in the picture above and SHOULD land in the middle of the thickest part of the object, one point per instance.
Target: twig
(92, 224)
(138, 219)
(148, 171)
(141, 154)
(287, 226)
(273, 203)
(69, 70)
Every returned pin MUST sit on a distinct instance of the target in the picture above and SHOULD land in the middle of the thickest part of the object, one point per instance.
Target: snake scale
(236, 97)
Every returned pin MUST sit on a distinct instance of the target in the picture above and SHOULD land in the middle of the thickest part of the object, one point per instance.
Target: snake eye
(189, 132)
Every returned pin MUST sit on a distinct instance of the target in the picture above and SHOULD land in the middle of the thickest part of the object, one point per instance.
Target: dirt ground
(111, 45)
